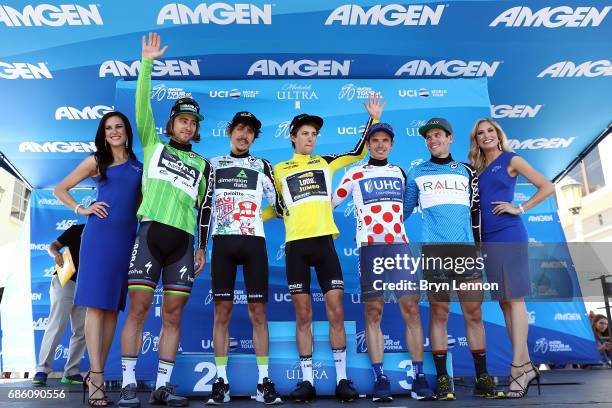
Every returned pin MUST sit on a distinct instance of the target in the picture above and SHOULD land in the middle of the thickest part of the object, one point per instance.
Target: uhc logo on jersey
(381, 189)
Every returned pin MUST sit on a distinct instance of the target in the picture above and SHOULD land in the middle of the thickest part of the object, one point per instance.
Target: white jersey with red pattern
(378, 190)
(241, 182)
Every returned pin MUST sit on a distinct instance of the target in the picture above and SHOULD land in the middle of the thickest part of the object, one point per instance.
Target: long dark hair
(596, 320)
(104, 155)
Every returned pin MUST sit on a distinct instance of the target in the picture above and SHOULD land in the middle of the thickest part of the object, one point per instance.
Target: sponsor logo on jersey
(540, 143)
(170, 68)
(24, 70)
(57, 147)
(450, 68)
(51, 15)
(215, 13)
(381, 189)
(514, 111)
(551, 17)
(233, 178)
(570, 69)
(87, 113)
(386, 15)
(307, 184)
(302, 68)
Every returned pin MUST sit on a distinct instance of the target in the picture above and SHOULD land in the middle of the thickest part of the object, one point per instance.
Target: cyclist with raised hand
(447, 193)
(241, 182)
(377, 188)
(305, 184)
(175, 181)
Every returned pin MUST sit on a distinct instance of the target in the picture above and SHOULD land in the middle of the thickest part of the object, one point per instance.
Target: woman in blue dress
(505, 238)
(107, 240)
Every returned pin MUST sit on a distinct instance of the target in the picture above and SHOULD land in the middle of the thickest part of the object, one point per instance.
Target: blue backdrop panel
(546, 62)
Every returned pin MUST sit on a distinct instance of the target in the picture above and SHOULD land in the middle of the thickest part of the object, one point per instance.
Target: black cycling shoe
(444, 388)
(345, 391)
(128, 397)
(485, 388)
(219, 394)
(267, 394)
(166, 395)
(304, 392)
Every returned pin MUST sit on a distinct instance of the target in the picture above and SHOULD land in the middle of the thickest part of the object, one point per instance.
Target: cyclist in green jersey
(175, 180)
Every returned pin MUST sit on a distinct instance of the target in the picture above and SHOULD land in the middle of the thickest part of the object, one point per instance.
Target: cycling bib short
(228, 252)
(159, 246)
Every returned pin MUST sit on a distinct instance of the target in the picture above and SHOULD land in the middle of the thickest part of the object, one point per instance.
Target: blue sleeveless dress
(504, 236)
(107, 243)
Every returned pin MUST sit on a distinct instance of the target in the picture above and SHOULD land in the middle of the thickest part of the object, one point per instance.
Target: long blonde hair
(476, 156)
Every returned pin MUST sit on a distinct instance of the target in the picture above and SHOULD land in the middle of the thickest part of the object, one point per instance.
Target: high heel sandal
(95, 402)
(522, 392)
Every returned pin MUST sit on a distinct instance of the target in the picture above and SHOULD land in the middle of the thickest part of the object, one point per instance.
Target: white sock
(306, 364)
(221, 373)
(340, 363)
(164, 372)
(128, 368)
(263, 372)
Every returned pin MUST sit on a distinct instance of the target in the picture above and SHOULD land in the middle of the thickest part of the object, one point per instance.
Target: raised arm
(374, 106)
(144, 113)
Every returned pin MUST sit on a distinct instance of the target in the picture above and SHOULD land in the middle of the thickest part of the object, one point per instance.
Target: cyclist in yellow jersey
(305, 184)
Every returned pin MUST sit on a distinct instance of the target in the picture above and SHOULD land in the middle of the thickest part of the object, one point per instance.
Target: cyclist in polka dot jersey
(377, 188)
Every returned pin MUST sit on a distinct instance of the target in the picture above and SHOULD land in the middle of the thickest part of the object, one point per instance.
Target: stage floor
(560, 388)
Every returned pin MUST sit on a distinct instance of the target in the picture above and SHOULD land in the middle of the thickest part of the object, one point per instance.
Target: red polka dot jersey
(377, 189)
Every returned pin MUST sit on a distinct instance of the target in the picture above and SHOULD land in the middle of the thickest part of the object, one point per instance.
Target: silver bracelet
(76, 208)
(520, 206)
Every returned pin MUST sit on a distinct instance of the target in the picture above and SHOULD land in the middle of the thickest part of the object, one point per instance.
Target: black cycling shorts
(159, 246)
(228, 252)
(319, 252)
(451, 265)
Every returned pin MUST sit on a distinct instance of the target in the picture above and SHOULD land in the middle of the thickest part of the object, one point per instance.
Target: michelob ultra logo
(568, 69)
(551, 17)
(303, 67)
(451, 68)
(171, 68)
(215, 13)
(24, 70)
(51, 15)
(386, 15)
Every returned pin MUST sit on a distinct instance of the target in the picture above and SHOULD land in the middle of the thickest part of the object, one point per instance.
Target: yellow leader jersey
(305, 184)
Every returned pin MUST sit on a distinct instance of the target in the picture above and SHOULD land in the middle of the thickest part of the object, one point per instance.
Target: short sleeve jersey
(378, 192)
(241, 182)
(447, 193)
